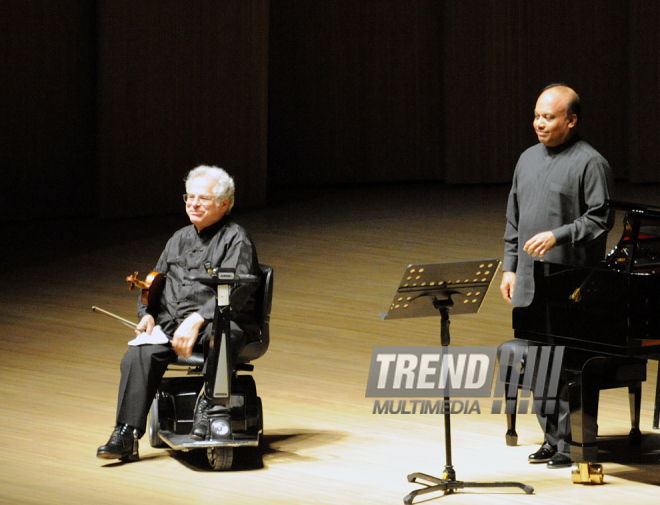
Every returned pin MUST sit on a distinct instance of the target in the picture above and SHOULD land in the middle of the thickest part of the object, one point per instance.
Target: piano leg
(656, 410)
(512, 356)
(635, 399)
(586, 377)
(583, 399)
(510, 405)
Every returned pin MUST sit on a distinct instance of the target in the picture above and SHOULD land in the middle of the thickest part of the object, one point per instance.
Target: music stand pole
(420, 283)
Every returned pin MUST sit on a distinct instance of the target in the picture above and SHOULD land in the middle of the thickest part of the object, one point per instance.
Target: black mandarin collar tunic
(224, 244)
(561, 189)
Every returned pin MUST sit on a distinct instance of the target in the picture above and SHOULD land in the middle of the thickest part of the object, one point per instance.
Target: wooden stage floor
(338, 256)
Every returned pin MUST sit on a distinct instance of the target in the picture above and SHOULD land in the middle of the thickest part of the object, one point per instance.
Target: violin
(152, 287)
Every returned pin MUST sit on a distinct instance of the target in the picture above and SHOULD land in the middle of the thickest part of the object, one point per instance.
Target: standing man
(556, 211)
(186, 306)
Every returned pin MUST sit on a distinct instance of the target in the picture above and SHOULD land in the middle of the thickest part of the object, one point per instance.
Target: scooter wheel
(220, 458)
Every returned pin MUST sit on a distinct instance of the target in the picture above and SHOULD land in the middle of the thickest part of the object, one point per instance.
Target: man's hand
(507, 285)
(186, 335)
(147, 324)
(540, 244)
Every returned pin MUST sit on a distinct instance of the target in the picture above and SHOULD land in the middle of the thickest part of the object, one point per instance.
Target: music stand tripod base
(447, 486)
(425, 290)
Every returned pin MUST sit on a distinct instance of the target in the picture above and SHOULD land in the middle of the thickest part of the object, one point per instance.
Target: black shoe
(200, 425)
(543, 455)
(560, 460)
(123, 444)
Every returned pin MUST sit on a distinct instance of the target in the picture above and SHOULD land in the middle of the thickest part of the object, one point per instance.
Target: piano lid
(615, 313)
(637, 208)
(611, 309)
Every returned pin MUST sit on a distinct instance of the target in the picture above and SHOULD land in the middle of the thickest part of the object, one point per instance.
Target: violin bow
(114, 316)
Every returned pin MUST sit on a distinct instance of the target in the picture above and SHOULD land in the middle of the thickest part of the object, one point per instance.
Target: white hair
(224, 184)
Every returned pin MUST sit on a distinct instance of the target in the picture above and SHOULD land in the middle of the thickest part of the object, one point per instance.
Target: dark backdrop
(105, 104)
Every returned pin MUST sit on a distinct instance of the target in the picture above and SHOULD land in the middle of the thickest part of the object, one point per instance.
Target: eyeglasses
(203, 199)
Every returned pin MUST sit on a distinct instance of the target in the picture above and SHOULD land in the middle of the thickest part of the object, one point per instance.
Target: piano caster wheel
(583, 473)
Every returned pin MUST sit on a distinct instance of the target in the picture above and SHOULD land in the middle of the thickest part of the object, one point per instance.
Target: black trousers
(557, 426)
(142, 369)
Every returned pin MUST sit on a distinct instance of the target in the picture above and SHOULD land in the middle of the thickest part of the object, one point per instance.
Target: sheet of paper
(157, 337)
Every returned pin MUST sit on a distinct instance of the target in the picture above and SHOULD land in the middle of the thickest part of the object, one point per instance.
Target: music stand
(424, 290)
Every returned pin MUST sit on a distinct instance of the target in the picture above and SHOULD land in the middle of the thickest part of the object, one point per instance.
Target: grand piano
(608, 318)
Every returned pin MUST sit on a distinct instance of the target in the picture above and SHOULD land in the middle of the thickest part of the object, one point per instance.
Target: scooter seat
(196, 359)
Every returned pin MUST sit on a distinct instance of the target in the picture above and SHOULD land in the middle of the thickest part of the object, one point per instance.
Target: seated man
(186, 307)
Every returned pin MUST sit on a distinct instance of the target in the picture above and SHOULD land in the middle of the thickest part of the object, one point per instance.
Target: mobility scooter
(172, 410)
(234, 413)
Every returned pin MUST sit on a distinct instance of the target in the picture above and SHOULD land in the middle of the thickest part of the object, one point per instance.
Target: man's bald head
(556, 114)
(573, 100)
